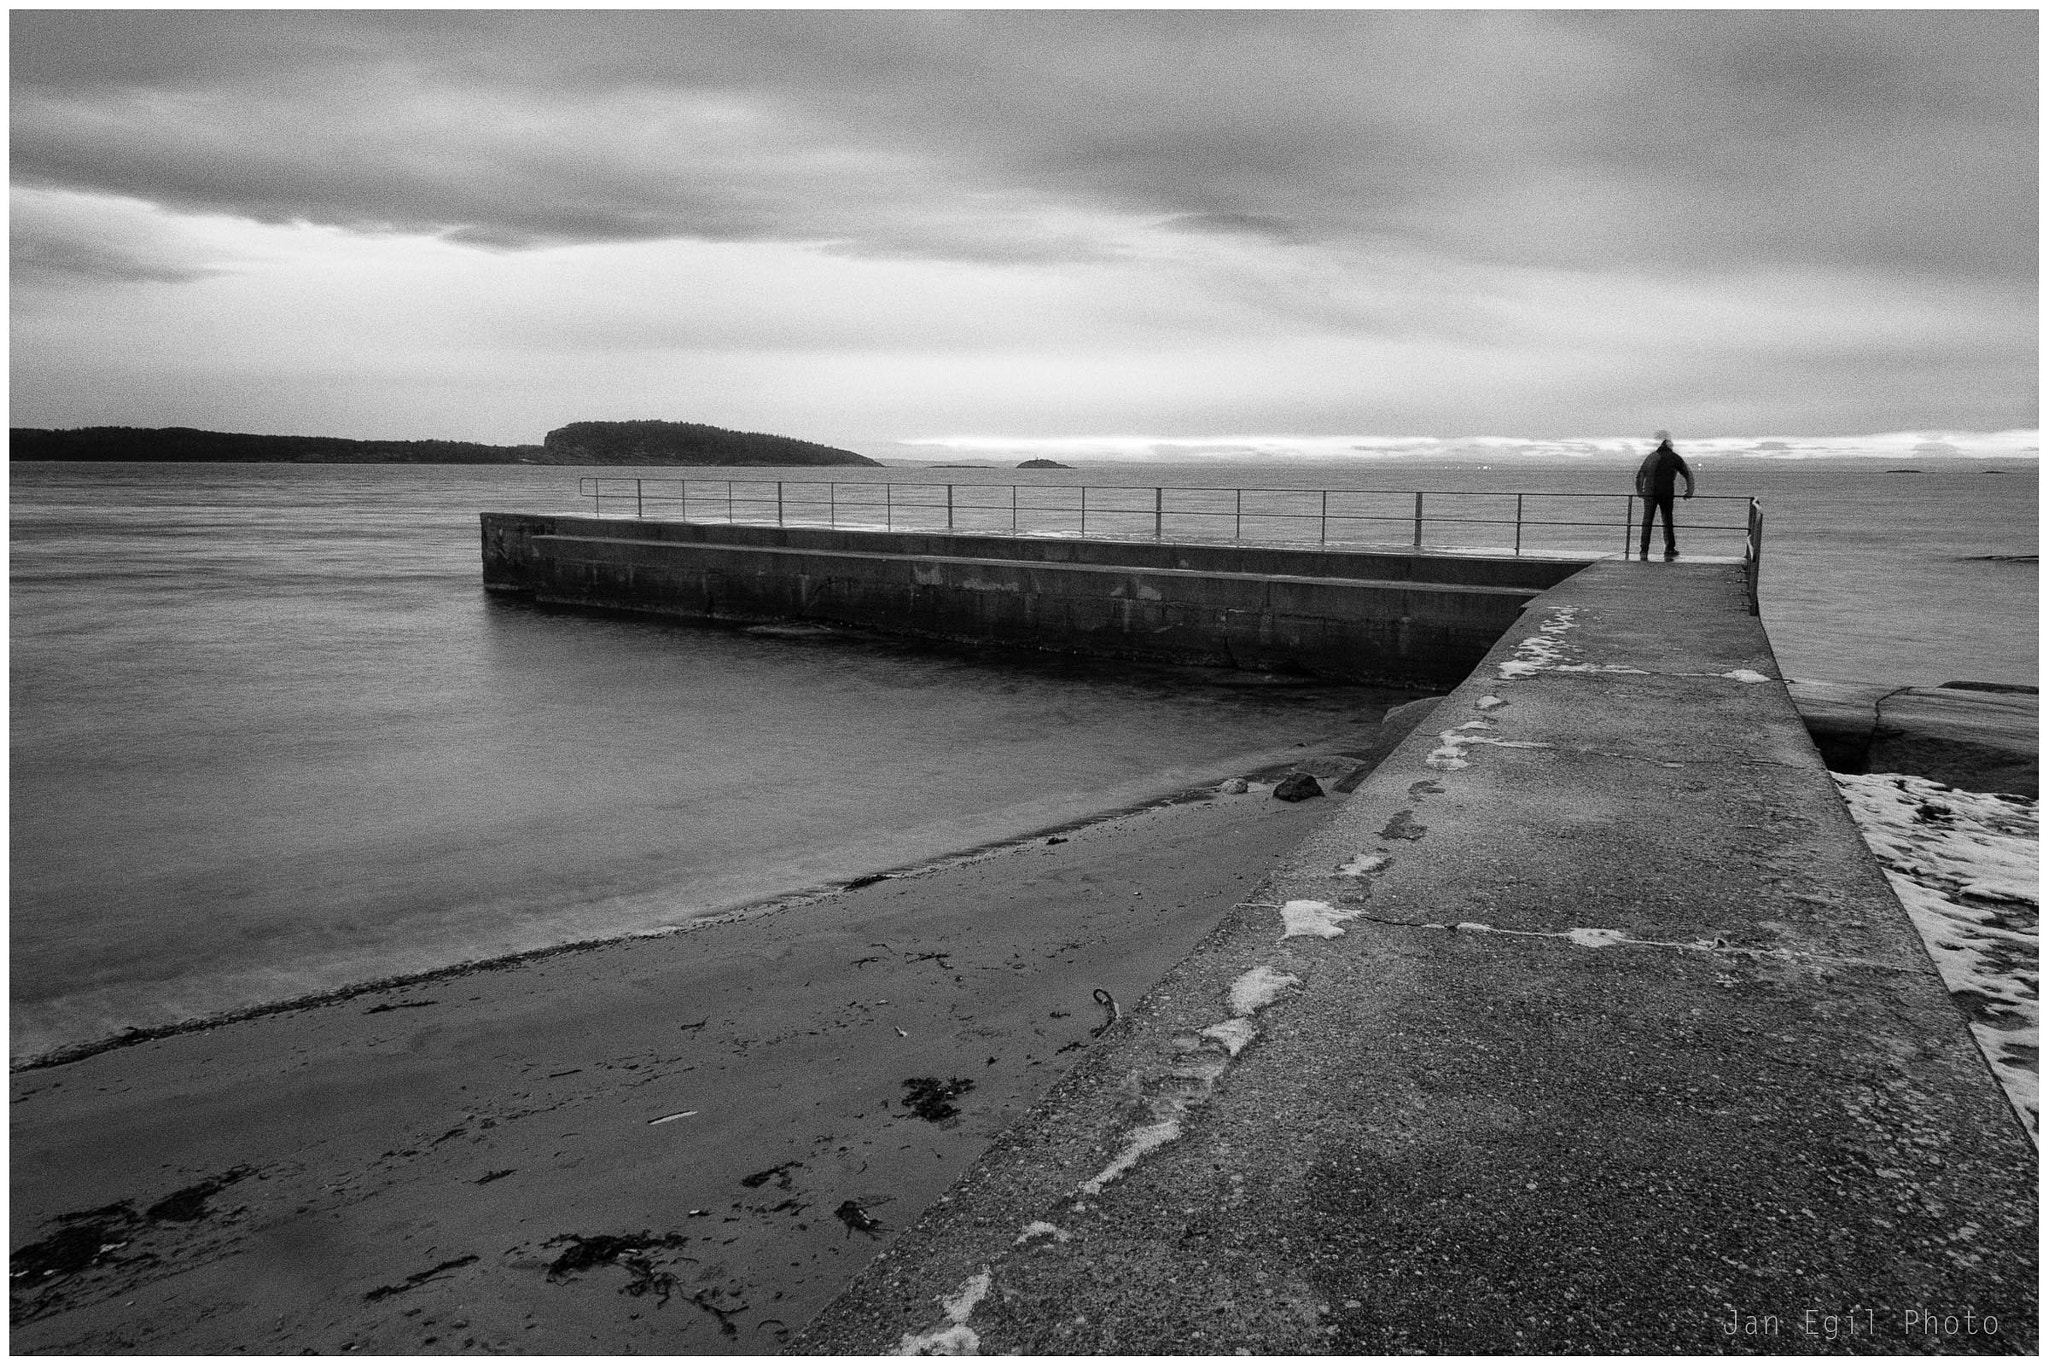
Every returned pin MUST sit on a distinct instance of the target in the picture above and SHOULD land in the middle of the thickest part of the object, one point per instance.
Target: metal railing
(1454, 519)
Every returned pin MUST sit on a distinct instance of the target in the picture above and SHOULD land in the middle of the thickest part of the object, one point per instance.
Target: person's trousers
(1651, 507)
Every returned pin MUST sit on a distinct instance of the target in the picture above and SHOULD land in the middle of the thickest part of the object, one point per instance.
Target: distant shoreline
(578, 444)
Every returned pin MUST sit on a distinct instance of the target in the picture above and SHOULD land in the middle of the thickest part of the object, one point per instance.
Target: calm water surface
(269, 736)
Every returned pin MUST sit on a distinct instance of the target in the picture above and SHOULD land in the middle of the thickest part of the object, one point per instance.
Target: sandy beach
(679, 1145)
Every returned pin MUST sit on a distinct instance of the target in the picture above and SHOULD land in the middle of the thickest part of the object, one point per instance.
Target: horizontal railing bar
(1264, 514)
(1363, 518)
(627, 480)
(790, 495)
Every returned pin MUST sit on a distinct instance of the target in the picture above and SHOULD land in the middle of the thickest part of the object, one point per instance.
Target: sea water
(269, 736)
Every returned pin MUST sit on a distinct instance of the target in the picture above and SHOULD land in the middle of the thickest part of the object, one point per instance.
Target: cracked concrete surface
(1531, 1136)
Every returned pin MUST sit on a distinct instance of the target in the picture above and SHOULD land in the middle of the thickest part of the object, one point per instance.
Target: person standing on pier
(1656, 482)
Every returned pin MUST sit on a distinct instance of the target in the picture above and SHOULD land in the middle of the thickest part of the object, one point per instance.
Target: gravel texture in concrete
(1588, 1024)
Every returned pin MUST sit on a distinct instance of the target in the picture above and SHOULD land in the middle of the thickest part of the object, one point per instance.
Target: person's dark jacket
(1659, 473)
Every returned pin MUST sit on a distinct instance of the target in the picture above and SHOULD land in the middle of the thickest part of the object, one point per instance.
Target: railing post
(1323, 520)
(889, 506)
(1237, 525)
(639, 503)
(1013, 509)
(949, 507)
(1084, 509)
(1756, 555)
(1159, 514)
(832, 503)
(1518, 523)
(778, 502)
(1418, 519)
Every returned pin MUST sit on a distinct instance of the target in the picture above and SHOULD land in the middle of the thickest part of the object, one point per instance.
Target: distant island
(684, 443)
(579, 443)
(1044, 464)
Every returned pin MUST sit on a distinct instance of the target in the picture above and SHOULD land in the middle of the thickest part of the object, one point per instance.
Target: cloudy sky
(889, 229)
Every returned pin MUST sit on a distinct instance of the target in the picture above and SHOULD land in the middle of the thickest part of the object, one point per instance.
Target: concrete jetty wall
(1979, 736)
(1588, 1024)
(1367, 616)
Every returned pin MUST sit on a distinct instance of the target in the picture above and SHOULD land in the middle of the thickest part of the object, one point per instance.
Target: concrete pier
(1588, 1024)
(1377, 617)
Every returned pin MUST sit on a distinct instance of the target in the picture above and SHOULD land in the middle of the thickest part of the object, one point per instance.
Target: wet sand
(681, 1145)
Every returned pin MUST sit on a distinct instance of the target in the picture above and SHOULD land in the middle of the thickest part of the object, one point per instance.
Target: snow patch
(1596, 938)
(1450, 755)
(1149, 1138)
(1599, 668)
(1542, 650)
(1545, 652)
(1258, 988)
(1250, 993)
(1746, 675)
(1041, 1228)
(1364, 863)
(1489, 703)
(1967, 867)
(1317, 919)
(1235, 1034)
(954, 1337)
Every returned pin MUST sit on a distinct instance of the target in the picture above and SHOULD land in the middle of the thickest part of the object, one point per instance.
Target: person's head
(1665, 437)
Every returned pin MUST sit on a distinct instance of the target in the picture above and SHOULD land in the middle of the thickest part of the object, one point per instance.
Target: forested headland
(579, 443)
(684, 443)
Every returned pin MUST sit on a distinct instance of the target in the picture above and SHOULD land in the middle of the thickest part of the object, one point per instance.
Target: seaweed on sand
(189, 1204)
(931, 1099)
(628, 1252)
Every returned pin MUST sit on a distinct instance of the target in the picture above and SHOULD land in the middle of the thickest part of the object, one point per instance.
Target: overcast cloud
(871, 227)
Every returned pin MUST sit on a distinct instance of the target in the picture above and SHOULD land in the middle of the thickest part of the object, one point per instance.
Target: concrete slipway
(1587, 1024)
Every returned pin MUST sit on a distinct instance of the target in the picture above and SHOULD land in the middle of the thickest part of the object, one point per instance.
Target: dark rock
(1297, 787)
(1044, 464)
